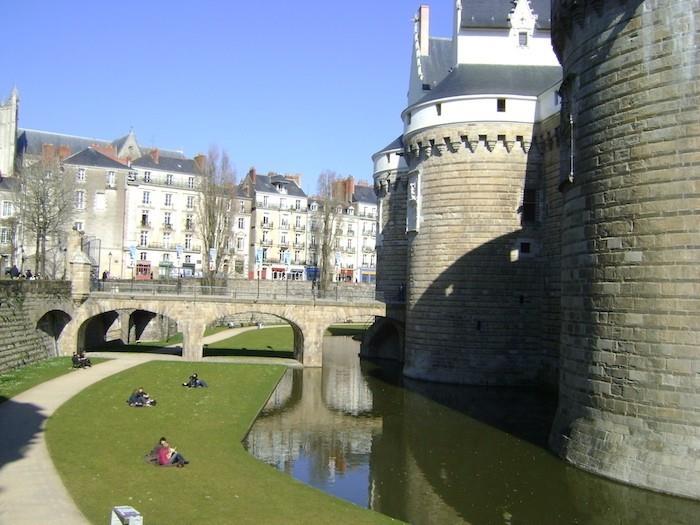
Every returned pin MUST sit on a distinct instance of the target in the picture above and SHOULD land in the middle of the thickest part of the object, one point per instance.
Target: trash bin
(125, 515)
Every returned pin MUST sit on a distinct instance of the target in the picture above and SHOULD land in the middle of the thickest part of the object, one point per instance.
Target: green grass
(347, 329)
(18, 380)
(275, 341)
(104, 466)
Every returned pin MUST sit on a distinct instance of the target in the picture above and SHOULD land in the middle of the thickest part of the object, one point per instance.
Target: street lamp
(109, 271)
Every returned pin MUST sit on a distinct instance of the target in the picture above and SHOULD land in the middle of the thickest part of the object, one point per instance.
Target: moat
(433, 453)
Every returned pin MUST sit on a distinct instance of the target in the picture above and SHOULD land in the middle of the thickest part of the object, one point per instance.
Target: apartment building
(278, 223)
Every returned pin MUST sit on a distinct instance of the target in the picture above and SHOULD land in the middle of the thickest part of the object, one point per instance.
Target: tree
(46, 204)
(217, 191)
(327, 227)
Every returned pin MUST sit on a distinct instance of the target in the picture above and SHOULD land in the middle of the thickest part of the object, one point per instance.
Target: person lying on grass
(167, 455)
(194, 382)
(139, 398)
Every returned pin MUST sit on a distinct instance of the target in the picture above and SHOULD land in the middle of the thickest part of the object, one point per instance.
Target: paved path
(31, 491)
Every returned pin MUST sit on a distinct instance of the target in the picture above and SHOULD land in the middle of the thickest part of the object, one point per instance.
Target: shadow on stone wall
(479, 321)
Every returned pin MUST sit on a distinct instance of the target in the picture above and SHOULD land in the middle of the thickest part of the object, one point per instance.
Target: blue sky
(284, 86)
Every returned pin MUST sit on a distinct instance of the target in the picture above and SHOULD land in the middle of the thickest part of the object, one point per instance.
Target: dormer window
(522, 39)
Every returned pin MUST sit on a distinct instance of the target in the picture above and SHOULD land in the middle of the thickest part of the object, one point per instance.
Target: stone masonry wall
(391, 253)
(629, 402)
(20, 341)
(474, 291)
(547, 143)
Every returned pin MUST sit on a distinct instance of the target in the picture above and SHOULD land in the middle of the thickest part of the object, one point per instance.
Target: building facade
(278, 223)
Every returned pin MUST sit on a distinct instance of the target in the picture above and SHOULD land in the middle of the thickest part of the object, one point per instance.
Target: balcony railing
(300, 227)
(284, 226)
(266, 242)
(299, 245)
(367, 249)
(266, 225)
(167, 226)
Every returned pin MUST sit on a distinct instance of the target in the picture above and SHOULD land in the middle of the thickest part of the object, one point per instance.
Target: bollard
(125, 515)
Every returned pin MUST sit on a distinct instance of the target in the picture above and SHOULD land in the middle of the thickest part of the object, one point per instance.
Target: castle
(538, 223)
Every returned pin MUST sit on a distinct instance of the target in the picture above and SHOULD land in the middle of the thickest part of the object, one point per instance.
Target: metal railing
(253, 290)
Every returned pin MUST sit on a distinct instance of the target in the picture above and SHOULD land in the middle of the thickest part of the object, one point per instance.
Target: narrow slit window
(522, 39)
(438, 108)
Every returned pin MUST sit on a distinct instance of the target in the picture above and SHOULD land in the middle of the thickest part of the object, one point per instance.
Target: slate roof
(396, 144)
(30, 142)
(438, 62)
(91, 157)
(364, 194)
(264, 183)
(174, 165)
(482, 79)
(493, 14)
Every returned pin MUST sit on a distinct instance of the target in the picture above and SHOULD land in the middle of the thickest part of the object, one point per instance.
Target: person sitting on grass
(194, 382)
(84, 361)
(77, 362)
(167, 455)
(139, 398)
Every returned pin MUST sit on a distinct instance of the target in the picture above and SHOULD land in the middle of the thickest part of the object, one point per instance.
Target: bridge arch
(384, 340)
(50, 325)
(309, 318)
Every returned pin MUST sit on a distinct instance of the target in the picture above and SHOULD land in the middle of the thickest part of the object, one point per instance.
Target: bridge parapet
(241, 290)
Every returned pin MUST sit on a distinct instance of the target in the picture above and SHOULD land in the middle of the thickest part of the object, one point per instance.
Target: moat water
(432, 453)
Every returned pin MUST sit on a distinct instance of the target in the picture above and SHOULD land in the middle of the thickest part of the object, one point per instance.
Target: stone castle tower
(630, 369)
(540, 226)
(463, 222)
(8, 133)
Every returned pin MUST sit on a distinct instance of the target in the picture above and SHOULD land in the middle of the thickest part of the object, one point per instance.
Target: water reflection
(430, 453)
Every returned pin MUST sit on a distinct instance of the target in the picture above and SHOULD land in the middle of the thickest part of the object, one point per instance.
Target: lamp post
(109, 271)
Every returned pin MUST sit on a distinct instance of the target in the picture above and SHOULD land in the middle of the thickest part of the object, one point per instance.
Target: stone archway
(50, 326)
(384, 340)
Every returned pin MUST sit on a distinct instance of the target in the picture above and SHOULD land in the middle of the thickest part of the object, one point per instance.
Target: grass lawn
(18, 380)
(103, 466)
(270, 341)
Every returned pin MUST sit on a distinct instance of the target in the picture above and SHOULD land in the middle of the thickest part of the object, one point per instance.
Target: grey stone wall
(546, 134)
(630, 379)
(474, 303)
(391, 253)
(21, 343)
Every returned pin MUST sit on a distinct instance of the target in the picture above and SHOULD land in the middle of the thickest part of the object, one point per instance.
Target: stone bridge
(309, 318)
(45, 318)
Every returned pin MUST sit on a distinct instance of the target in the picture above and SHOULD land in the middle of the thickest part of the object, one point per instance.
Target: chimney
(424, 30)
(155, 155)
(349, 188)
(48, 152)
(63, 152)
(201, 162)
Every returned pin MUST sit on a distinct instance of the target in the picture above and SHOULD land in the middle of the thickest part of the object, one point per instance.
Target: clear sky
(292, 87)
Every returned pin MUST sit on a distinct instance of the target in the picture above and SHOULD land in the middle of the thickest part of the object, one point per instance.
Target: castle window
(501, 105)
(426, 87)
(529, 205)
(525, 248)
(522, 39)
(438, 108)
(408, 117)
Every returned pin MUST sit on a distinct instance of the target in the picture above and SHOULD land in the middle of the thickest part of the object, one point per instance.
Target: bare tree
(46, 204)
(327, 227)
(217, 191)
